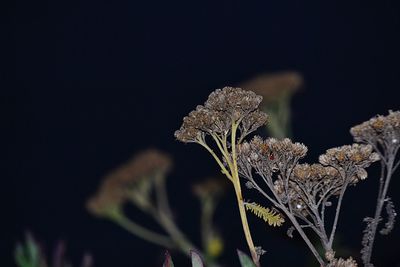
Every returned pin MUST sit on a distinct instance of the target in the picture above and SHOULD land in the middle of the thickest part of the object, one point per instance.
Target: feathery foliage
(269, 216)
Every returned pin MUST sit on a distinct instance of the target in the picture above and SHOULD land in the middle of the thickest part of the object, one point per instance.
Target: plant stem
(379, 205)
(238, 191)
(245, 224)
(142, 232)
(331, 237)
(177, 236)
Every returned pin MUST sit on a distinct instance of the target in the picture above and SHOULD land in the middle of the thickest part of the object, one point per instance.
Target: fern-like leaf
(271, 217)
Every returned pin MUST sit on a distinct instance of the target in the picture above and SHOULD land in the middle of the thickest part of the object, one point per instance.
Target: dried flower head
(222, 107)
(384, 130)
(353, 158)
(273, 86)
(131, 180)
(269, 155)
(108, 200)
(343, 263)
(316, 180)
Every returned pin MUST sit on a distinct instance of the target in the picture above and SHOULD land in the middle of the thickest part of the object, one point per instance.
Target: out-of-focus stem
(143, 232)
(162, 195)
(207, 210)
(279, 125)
(177, 236)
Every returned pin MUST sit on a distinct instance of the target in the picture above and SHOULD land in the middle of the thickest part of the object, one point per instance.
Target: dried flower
(269, 155)
(223, 107)
(352, 158)
(384, 130)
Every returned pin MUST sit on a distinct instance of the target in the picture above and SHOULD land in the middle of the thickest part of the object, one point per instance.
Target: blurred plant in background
(245, 261)
(277, 90)
(209, 193)
(142, 182)
(30, 254)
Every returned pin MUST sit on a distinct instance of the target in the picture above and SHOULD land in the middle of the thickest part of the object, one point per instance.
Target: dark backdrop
(92, 82)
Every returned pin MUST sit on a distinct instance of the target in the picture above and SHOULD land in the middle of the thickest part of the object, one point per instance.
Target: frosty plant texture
(303, 192)
(383, 134)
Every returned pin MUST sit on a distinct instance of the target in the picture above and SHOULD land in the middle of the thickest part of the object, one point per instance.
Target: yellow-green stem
(238, 191)
(245, 224)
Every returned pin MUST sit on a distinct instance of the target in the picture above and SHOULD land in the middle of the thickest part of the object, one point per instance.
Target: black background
(92, 82)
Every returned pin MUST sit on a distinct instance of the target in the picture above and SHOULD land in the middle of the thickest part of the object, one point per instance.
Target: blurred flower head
(272, 86)
(131, 181)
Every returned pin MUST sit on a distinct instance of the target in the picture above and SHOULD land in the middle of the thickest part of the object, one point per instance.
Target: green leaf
(271, 217)
(245, 260)
(168, 260)
(196, 259)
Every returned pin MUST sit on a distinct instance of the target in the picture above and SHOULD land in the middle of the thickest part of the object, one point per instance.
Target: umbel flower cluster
(303, 192)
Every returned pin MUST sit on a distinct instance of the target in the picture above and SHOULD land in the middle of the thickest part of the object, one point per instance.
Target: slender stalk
(221, 165)
(207, 210)
(379, 205)
(278, 203)
(337, 213)
(304, 236)
(177, 236)
(245, 224)
(143, 232)
(238, 191)
(162, 194)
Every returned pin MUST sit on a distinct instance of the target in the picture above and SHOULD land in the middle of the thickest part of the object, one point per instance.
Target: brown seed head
(353, 158)
(380, 129)
(222, 108)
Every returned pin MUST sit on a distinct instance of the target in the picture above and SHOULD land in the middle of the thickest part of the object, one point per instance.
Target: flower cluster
(223, 107)
(353, 159)
(303, 191)
(314, 184)
(269, 155)
(131, 181)
(384, 130)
